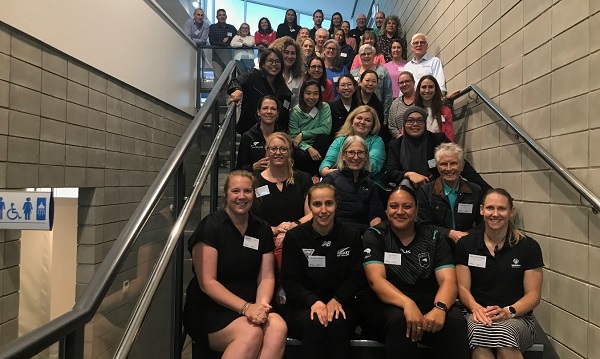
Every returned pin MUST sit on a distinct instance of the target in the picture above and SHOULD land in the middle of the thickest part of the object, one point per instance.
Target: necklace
(497, 244)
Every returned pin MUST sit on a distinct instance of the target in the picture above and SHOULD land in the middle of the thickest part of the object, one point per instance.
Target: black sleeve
(293, 264)
(443, 253)
(205, 232)
(461, 254)
(471, 175)
(373, 246)
(394, 173)
(533, 253)
(239, 82)
(424, 213)
(244, 154)
(356, 276)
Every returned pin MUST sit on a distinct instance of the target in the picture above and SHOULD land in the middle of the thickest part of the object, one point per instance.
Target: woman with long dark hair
(346, 52)
(315, 70)
(289, 26)
(429, 97)
(265, 35)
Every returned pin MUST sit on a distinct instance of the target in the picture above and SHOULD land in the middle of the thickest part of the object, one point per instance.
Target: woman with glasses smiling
(406, 83)
(281, 190)
(315, 70)
(246, 90)
(359, 204)
(410, 157)
(333, 63)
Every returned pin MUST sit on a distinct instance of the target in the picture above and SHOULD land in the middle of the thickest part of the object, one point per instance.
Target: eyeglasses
(282, 150)
(412, 121)
(316, 67)
(417, 43)
(402, 83)
(272, 61)
(360, 154)
(331, 48)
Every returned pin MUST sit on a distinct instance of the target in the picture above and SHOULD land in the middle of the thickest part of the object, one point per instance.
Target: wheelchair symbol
(12, 213)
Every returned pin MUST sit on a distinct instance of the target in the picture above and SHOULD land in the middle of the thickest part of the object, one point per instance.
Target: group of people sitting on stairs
(351, 206)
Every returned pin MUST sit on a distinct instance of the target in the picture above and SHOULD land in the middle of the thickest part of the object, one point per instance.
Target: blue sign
(16, 208)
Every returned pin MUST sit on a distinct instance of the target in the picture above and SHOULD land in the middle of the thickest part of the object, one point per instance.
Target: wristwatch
(441, 306)
(512, 311)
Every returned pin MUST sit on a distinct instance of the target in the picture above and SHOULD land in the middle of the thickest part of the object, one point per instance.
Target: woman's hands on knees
(320, 310)
(257, 313)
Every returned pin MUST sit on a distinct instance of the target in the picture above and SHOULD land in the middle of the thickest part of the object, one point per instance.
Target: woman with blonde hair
(499, 273)
(362, 122)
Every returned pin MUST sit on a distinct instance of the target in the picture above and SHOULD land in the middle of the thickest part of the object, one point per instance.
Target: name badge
(316, 261)
(322, 88)
(336, 79)
(476, 261)
(196, 32)
(392, 258)
(313, 112)
(465, 208)
(432, 163)
(400, 69)
(251, 242)
(343, 54)
(286, 104)
(229, 34)
(262, 191)
(357, 78)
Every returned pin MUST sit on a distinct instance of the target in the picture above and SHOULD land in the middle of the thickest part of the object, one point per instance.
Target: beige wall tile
(460, 41)
(24, 100)
(595, 71)
(77, 72)
(512, 21)
(488, 160)
(536, 186)
(510, 158)
(594, 304)
(536, 218)
(54, 85)
(567, 13)
(54, 62)
(490, 62)
(593, 341)
(569, 222)
(536, 94)
(594, 226)
(595, 32)
(537, 32)
(5, 40)
(536, 63)
(19, 175)
(25, 74)
(490, 37)
(507, 5)
(489, 136)
(569, 258)
(26, 49)
(562, 192)
(537, 123)
(4, 67)
(511, 102)
(563, 352)
(533, 8)
(511, 76)
(512, 49)
(511, 182)
(570, 294)
(571, 80)
(594, 111)
(491, 15)
(571, 150)
(572, 44)
(594, 262)
(542, 314)
(570, 115)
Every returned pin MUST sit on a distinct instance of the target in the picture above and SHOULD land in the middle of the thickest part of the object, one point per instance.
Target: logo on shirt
(308, 252)
(424, 260)
(255, 145)
(326, 244)
(343, 252)
(515, 263)
(367, 252)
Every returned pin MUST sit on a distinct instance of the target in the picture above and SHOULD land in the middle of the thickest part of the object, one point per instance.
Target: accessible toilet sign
(26, 210)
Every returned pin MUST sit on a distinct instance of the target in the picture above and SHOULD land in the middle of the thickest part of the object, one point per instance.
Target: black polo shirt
(501, 281)
(415, 275)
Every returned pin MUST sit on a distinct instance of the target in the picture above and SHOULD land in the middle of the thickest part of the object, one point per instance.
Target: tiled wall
(538, 60)
(64, 124)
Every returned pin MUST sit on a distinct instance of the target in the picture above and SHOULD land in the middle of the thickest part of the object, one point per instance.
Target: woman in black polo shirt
(499, 276)
(321, 274)
(228, 297)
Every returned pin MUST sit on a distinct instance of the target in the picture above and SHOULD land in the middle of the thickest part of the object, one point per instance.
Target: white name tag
(316, 261)
(335, 79)
(392, 258)
(465, 208)
(357, 78)
(286, 104)
(229, 34)
(400, 68)
(251, 242)
(313, 112)
(322, 88)
(343, 54)
(196, 32)
(262, 191)
(432, 163)
(476, 261)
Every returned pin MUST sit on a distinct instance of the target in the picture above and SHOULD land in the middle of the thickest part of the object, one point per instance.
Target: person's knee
(509, 353)
(277, 326)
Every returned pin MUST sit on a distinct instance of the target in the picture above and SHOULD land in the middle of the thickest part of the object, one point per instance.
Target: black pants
(303, 161)
(387, 324)
(318, 341)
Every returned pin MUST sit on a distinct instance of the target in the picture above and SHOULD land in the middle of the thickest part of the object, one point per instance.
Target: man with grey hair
(379, 16)
(424, 64)
(197, 28)
(321, 35)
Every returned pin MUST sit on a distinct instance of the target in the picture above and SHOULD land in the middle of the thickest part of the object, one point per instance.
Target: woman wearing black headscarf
(411, 156)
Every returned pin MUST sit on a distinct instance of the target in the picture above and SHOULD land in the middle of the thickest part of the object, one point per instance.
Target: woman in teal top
(310, 125)
(363, 122)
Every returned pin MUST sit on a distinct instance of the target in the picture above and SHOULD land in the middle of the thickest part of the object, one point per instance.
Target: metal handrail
(549, 159)
(86, 306)
(143, 304)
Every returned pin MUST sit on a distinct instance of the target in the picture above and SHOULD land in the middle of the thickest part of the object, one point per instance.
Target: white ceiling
(345, 7)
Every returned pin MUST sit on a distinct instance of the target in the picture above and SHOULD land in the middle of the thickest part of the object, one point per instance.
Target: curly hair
(297, 70)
